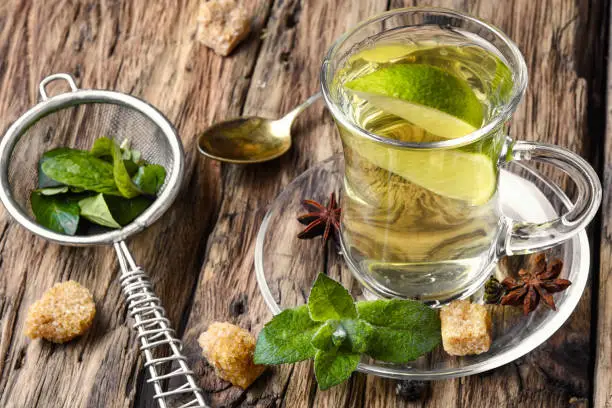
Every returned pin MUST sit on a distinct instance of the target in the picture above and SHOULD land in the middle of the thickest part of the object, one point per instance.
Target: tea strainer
(75, 119)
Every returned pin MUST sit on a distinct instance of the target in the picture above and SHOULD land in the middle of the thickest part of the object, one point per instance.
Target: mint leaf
(95, 210)
(286, 338)
(125, 210)
(55, 213)
(402, 329)
(123, 168)
(43, 180)
(400, 346)
(77, 168)
(339, 336)
(131, 167)
(327, 338)
(333, 367)
(102, 147)
(348, 335)
(150, 178)
(122, 177)
(330, 300)
(49, 191)
(358, 333)
(397, 313)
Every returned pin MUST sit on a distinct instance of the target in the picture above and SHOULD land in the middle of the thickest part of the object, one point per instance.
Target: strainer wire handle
(156, 335)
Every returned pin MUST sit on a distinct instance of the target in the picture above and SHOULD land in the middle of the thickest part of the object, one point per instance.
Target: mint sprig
(336, 331)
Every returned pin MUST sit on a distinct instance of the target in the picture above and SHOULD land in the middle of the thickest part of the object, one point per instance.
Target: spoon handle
(290, 117)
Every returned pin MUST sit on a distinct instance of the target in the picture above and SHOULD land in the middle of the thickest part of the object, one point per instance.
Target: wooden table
(200, 254)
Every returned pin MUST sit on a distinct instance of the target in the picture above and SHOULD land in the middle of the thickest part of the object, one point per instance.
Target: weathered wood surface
(200, 254)
(603, 362)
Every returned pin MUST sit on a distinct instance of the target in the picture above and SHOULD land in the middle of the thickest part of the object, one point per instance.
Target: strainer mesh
(78, 126)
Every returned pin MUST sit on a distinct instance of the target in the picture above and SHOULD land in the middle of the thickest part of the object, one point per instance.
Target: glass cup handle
(527, 237)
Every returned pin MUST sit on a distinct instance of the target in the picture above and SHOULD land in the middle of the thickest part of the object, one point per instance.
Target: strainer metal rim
(89, 96)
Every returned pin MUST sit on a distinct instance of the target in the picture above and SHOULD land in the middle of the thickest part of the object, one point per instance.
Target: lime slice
(424, 95)
(455, 174)
(432, 120)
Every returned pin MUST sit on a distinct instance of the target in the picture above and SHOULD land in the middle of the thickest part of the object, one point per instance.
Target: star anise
(536, 283)
(320, 220)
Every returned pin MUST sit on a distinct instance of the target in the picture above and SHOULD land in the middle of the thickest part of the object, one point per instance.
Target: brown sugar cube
(466, 328)
(230, 349)
(222, 24)
(62, 313)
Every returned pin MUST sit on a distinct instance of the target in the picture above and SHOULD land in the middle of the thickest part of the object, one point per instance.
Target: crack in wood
(239, 305)
(114, 41)
(283, 393)
(312, 394)
(293, 17)
(596, 124)
(20, 358)
(116, 79)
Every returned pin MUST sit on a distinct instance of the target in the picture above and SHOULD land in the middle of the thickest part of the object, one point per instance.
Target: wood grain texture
(200, 254)
(603, 364)
(129, 49)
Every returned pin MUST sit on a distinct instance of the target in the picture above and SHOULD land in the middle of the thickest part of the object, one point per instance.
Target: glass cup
(422, 219)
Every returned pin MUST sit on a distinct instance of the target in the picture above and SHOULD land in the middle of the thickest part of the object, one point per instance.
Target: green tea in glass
(421, 98)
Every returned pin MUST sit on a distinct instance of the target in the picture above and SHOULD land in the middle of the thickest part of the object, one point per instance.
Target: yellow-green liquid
(411, 223)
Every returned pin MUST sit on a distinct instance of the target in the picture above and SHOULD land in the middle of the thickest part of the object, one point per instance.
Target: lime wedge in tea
(452, 173)
(425, 96)
(432, 99)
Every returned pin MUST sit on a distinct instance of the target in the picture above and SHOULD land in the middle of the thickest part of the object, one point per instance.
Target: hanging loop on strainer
(76, 119)
(43, 84)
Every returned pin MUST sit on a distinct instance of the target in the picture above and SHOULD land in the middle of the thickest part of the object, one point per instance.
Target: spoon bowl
(250, 139)
(246, 140)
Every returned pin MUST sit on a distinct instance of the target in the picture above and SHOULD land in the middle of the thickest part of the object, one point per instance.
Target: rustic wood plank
(144, 48)
(556, 39)
(297, 36)
(603, 364)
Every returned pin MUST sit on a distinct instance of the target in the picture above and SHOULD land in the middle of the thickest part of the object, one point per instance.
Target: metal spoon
(250, 139)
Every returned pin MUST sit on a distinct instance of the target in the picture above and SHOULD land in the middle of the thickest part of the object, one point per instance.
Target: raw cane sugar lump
(222, 24)
(62, 313)
(466, 328)
(230, 349)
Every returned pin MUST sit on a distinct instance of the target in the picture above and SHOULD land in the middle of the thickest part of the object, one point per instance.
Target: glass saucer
(287, 266)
